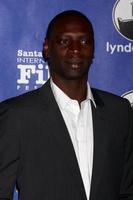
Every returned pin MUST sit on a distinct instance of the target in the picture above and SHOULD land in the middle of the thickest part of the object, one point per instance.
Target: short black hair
(67, 13)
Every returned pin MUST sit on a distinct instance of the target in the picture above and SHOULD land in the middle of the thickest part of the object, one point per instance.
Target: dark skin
(70, 51)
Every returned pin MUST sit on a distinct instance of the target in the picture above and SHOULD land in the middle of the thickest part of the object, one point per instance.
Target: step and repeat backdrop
(22, 30)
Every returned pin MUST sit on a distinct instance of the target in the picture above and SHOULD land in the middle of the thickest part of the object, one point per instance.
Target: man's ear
(45, 50)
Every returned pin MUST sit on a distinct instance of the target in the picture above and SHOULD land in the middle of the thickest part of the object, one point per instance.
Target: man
(66, 141)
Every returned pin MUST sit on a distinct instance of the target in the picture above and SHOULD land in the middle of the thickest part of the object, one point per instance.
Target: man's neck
(75, 89)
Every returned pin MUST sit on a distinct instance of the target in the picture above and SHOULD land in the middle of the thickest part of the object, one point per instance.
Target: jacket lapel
(101, 130)
(99, 151)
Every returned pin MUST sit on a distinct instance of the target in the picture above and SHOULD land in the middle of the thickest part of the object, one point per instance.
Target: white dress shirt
(79, 123)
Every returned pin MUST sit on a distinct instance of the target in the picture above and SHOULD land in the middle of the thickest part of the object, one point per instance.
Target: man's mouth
(74, 63)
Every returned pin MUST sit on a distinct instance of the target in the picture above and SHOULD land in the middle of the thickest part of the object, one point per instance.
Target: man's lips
(74, 63)
(74, 60)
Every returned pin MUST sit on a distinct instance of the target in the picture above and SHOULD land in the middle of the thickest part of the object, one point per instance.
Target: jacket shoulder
(27, 99)
(20, 99)
(109, 99)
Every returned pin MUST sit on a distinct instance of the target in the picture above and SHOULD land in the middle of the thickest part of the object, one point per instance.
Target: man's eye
(84, 42)
(64, 42)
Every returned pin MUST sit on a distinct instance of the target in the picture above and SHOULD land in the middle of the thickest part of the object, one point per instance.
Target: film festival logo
(32, 70)
(123, 18)
(129, 96)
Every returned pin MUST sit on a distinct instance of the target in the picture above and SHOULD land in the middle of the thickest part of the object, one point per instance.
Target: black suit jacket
(37, 154)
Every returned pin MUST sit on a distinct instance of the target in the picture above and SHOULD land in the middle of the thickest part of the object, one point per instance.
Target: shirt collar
(90, 95)
(62, 99)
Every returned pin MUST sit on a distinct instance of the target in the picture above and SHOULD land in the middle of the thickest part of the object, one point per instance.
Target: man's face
(70, 48)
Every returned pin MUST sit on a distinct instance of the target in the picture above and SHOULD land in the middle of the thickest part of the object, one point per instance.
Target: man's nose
(75, 47)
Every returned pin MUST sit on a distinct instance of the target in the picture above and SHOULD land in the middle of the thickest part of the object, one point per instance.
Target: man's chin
(74, 76)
